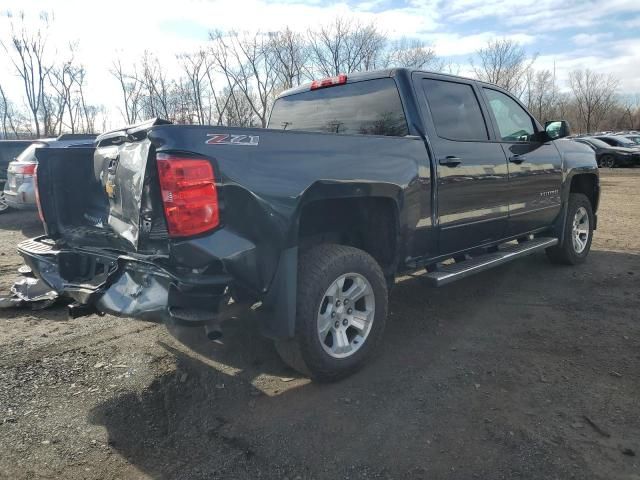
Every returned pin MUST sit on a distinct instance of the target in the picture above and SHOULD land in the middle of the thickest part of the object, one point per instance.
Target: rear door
(472, 177)
(535, 167)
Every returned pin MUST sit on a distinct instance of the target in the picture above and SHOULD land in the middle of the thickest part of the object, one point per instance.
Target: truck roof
(373, 74)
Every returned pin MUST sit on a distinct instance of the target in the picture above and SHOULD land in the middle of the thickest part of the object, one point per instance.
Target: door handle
(518, 159)
(450, 161)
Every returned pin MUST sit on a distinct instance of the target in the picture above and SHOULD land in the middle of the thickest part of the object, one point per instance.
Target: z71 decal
(226, 139)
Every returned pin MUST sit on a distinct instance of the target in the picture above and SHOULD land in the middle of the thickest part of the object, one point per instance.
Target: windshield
(635, 139)
(371, 107)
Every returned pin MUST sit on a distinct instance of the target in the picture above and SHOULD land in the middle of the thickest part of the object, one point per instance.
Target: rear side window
(455, 110)
(372, 107)
(619, 142)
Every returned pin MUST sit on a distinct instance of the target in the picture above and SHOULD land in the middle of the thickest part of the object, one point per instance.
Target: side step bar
(455, 271)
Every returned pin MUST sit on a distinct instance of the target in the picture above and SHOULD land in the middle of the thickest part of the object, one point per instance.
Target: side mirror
(557, 129)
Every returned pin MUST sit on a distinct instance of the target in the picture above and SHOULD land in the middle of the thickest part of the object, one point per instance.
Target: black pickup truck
(356, 181)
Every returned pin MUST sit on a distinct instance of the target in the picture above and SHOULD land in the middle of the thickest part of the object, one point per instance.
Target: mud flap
(279, 306)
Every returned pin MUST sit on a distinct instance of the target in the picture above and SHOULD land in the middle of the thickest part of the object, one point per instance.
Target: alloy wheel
(580, 230)
(3, 203)
(345, 315)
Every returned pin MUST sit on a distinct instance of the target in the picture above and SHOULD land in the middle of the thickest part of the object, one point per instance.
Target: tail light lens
(189, 194)
(35, 185)
(22, 168)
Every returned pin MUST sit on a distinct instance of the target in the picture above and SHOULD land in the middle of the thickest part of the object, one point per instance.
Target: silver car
(19, 189)
(9, 150)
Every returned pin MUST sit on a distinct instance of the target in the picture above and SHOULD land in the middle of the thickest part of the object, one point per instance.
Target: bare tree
(250, 67)
(8, 114)
(130, 87)
(26, 51)
(345, 46)
(218, 101)
(194, 65)
(240, 112)
(595, 95)
(541, 93)
(291, 55)
(412, 53)
(505, 63)
(157, 88)
(630, 105)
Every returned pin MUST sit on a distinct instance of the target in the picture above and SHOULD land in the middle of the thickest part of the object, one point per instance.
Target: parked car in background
(618, 141)
(9, 150)
(634, 138)
(19, 190)
(609, 156)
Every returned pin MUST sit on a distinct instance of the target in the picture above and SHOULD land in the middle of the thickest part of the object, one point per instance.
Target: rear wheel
(4, 207)
(578, 232)
(607, 161)
(341, 312)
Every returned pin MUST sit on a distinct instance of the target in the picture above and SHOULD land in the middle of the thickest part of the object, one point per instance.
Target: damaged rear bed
(107, 244)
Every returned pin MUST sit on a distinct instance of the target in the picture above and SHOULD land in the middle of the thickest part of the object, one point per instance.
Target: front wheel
(341, 312)
(578, 232)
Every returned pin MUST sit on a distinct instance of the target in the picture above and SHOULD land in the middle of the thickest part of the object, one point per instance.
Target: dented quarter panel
(263, 188)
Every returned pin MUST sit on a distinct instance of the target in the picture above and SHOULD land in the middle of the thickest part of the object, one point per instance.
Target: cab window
(455, 110)
(514, 123)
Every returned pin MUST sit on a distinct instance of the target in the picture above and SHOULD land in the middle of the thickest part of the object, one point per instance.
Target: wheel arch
(359, 214)
(589, 185)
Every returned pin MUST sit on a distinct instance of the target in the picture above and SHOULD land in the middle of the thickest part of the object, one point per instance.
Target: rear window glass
(372, 107)
(28, 155)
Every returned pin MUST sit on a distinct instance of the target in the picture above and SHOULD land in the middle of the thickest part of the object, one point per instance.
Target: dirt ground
(527, 371)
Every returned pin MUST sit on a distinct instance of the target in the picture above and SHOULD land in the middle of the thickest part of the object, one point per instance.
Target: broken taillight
(188, 193)
(35, 187)
(329, 82)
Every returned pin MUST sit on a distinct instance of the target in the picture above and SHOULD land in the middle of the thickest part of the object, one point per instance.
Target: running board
(455, 271)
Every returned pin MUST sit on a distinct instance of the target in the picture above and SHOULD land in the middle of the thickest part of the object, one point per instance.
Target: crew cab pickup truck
(357, 180)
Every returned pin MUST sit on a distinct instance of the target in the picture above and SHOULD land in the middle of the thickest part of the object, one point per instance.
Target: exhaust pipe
(213, 331)
(77, 310)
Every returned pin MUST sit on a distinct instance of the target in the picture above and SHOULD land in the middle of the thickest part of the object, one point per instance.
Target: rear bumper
(124, 286)
(127, 287)
(22, 196)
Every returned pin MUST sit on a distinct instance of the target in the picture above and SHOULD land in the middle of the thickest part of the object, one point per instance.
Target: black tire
(4, 208)
(607, 161)
(567, 254)
(318, 268)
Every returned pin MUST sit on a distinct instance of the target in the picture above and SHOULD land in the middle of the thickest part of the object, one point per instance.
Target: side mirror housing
(556, 129)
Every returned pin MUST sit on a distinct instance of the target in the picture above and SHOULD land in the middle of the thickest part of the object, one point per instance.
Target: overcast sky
(603, 35)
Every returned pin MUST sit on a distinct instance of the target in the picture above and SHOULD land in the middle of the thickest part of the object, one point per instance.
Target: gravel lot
(527, 371)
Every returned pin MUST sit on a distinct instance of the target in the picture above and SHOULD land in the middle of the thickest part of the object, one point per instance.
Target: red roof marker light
(329, 82)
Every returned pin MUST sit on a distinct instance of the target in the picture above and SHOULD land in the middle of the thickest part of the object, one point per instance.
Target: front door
(535, 167)
(472, 175)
